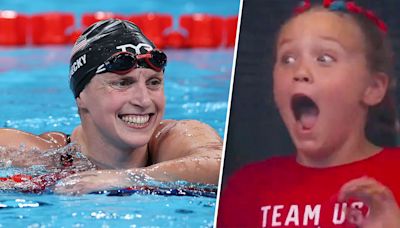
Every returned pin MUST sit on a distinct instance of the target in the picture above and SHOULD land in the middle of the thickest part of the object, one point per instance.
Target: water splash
(21, 203)
(32, 170)
(46, 168)
(35, 162)
(176, 188)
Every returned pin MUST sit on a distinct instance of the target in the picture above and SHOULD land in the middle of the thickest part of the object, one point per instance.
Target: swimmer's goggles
(123, 62)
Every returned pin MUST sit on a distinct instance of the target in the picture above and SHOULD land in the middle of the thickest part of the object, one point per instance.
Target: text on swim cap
(77, 64)
(135, 47)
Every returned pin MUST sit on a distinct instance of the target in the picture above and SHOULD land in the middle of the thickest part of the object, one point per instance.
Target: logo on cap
(135, 47)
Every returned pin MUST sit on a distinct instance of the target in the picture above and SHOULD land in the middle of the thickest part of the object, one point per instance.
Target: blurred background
(255, 130)
(177, 22)
(79, 7)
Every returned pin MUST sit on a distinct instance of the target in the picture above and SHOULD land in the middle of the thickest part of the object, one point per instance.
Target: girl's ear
(377, 89)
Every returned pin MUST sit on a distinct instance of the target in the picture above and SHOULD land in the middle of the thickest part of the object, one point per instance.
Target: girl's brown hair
(382, 119)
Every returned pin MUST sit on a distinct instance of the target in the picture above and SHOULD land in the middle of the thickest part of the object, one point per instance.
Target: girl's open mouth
(305, 111)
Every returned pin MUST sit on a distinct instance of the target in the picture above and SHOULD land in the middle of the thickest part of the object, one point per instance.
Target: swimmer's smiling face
(322, 84)
(124, 109)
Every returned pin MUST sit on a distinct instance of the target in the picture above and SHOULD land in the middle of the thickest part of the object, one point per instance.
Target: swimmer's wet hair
(100, 41)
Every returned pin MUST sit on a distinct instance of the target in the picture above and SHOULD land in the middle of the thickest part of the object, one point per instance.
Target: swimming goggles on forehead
(123, 62)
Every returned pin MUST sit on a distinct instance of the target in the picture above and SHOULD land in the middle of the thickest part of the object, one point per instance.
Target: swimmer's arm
(189, 150)
(14, 140)
(179, 150)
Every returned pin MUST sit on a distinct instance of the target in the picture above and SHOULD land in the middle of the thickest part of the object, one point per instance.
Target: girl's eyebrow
(284, 41)
(331, 39)
(327, 38)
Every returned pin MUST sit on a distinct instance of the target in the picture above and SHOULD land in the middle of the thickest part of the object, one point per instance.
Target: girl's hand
(383, 212)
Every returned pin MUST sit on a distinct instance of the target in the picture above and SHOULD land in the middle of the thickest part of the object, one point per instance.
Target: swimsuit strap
(68, 138)
(149, 158)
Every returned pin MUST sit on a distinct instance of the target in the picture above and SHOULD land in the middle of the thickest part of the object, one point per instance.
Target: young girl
(333, 65)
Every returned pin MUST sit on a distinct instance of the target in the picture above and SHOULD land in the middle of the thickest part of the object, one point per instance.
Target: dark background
(255, 129)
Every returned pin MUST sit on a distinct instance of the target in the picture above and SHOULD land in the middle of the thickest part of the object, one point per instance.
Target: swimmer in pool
(117, 78)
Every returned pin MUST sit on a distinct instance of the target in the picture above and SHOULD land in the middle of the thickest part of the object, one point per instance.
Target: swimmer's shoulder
(15, 138)
(59, 139)
(163, 128)
(160, 133)
(166, 127)
(174, 138)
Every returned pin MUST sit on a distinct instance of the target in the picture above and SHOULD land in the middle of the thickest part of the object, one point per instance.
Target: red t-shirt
(279, 192)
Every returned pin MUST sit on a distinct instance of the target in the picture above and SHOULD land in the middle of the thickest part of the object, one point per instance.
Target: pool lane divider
(59, 28)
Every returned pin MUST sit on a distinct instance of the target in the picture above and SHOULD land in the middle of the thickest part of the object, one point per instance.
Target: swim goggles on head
(123, 62)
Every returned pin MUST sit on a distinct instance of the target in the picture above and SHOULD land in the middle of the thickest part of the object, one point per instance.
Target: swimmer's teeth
(133, 119)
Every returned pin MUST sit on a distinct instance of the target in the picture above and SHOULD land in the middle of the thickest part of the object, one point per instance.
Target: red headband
(350, 6)
(304, 6)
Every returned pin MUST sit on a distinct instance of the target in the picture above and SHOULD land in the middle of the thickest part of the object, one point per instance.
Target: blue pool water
(35, 97)
(102, 211)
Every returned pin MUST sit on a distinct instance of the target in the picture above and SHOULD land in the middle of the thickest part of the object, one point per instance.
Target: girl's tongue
(305, 111)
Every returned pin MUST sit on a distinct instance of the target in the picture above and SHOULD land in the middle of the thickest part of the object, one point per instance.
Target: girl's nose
(303, 78)
(303, 73)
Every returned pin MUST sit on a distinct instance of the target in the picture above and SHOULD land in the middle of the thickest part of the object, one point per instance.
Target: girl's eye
(325, 59)
(288, 59)
(154, 83)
